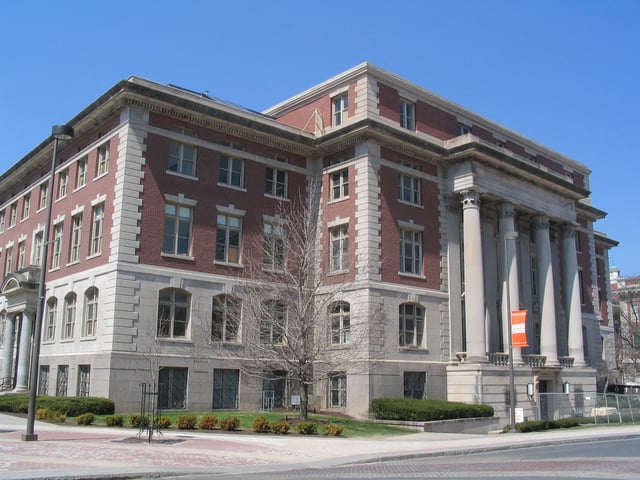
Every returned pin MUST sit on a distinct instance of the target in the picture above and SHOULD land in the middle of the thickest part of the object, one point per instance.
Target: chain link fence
(599, 408)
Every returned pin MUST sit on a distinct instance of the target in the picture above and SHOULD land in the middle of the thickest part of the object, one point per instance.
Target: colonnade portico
(477, 330)
(19, 292)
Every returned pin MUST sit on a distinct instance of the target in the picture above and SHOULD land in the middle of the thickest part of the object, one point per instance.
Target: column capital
(541, 221)
(506, 210)
(569, 230)
(470, 199)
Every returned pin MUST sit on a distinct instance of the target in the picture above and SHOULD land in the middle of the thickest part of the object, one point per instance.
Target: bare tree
(286, 308)
(627, 335)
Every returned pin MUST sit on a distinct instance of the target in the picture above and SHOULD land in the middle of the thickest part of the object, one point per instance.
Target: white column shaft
(24, 357)
(546, 293)
(572, 297)
(7, 351)
(510, 286)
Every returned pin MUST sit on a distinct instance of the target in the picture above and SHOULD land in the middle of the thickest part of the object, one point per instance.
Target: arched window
(50, 319)
(340, 318)
(173, 312)
(90, 319)
(69, 317)
(411, 325)
(225, 319)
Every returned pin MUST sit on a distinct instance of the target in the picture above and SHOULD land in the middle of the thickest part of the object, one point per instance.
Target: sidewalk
(69, 451)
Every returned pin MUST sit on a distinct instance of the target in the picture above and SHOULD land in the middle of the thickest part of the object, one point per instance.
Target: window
(339, 248)
(84, 376)
(103, 160)
(578, 239)
(172, 388)
(407, 114)
(22, 249)
(340, 109)
(177, 229)
(8, 261)
(2, 221)
(225, 319)
(499, 143)
(231, 172)
(182, 157)
(340, 184)
(36, 252)
(463, 129)
(409, 189)
(414, 383)
(340, 317)
(338, 390)
(173, 313)
(90, 319)
(50, 319)
(410, 325)
(57, 245)
(26, 206)
(63, 182)
(62, 381)
(69, 316)
(273, 322)
(274, 246)
(42, 202)
(228, 238)
(410, 251)
(76, 236)
(225, 388)
(43, 380)
(81, 173)
(277, 180)
(13, 212)
(97, 226)
(273, 389)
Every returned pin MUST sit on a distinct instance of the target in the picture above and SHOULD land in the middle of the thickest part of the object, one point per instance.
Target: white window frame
(225, 314)
(340, 109)
(51, 319)
(407, 114)
(8, 260)
(179, 219)
(90, 314)
(26, 206)
(69, 316)
(22, 249)
(43, 196)
(178, 160)
(274, 247)
(2, 220)
(63, 183)
(339, 184)
(337, 390)
(340, 323)
(13, 212)
(97, 229)
(339, 248)
(56, 253)
(172, 304)
(411, 325)
(102, 164)
(277, 179)
(81, 173)
(76, 238)
(36, 251)
(411, 237)
(224, 249)
(231, 167)
(409, 189)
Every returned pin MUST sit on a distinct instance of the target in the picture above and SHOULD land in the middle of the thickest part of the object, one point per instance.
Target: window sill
(91, 338)
(98, 177)
(79, 187)
(337, 200)
(412, 349)
(94, 255)
(176, 340)
(276, 197)
(75, 262)
(226, 344)
(412, 275)
(187, 258)
(182, 175)
(55, 269)
(232, 187)
(335, 273)
(404, 202)
(228, 264)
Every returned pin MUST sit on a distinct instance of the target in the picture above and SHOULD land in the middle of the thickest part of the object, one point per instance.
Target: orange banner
(519, 328)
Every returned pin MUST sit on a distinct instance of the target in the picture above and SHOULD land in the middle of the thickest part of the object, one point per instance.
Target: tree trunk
(304, 401)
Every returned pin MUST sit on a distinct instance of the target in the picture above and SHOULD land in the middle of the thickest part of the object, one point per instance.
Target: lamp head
(62, 132)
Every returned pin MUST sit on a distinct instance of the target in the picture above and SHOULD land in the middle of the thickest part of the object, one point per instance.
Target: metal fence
(602, 408)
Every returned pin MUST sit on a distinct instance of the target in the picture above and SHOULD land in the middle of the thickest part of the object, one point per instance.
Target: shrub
(85, 419)
(56, 417)
(138, 421)
(539, 425)
(261, 424)
(413, 410)
(208, 422)
(114, 420)
(332, 430)
(41, 413)
(307, 428)
(70, 406)
(162, 422)
(186, 422)
(280, 427)
(230, 424)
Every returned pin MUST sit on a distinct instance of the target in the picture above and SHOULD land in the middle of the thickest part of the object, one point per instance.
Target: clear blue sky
(564, 73)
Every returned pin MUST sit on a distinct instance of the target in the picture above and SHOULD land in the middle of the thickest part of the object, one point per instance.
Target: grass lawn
(352, 427)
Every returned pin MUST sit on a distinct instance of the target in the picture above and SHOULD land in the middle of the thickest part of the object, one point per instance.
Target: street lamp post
(512, 389)
(59, 132)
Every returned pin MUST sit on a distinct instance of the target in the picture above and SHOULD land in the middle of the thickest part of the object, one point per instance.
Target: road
(607, 459)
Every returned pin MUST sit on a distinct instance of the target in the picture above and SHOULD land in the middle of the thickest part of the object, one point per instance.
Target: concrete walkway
(75, 452)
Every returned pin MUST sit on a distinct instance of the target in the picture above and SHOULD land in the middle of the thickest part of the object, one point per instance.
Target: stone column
(510, 259)
(24, 356)
(454, 277)
(473, 278)
(546, 293)
(7, 351)
(573, 304)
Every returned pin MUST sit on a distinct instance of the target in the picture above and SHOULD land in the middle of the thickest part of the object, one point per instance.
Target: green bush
(187, 422)
(230, 424)
(50, 416)
(261, 424)
(540, 425)
(280, 427)
(70, 406)
(332, 430)
(307, 428)
(85, 419)
(162, 422)
(208, 422)
(413, 410)
(138, 421)
(114, 420)
(41, 413)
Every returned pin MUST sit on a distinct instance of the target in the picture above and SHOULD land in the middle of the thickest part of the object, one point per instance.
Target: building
(448, 221)
(625, 371)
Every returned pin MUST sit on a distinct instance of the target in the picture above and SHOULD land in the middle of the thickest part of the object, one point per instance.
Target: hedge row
(69, 406)
(412, 410)
(539, 425)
